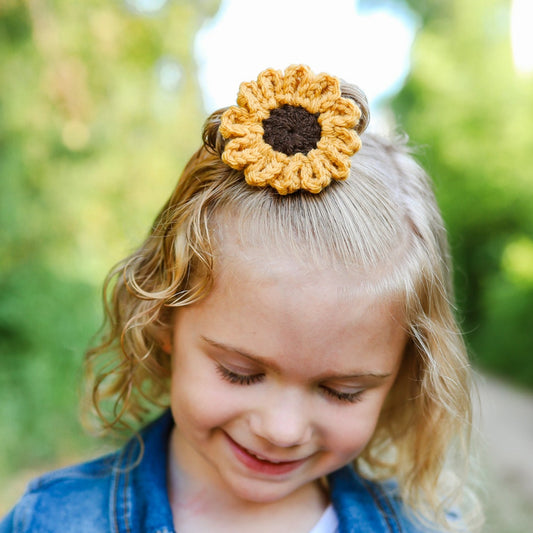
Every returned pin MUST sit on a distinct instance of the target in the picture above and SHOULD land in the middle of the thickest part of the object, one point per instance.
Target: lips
(261, 464)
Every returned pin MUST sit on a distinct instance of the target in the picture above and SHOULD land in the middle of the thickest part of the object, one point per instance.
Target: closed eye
(249, 379)
(349, 397)
(238, 379)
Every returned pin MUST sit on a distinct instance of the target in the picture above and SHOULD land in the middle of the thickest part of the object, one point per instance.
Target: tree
(470, 111)
(100, 108)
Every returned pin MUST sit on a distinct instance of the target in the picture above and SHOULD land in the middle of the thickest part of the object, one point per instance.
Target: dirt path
(505, 418)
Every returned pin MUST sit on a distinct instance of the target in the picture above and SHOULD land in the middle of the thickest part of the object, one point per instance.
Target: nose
(284, 420)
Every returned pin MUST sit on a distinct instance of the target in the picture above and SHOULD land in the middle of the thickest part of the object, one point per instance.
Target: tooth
(265, 459)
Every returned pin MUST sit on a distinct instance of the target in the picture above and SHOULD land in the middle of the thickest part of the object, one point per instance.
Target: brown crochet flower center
(292, 129)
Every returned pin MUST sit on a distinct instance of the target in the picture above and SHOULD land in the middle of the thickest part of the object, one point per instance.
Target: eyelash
(239, 379)
(349, 397)
(250, 379)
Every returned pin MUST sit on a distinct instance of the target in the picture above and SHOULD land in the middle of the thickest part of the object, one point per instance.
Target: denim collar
(139, 497)
(363, 506)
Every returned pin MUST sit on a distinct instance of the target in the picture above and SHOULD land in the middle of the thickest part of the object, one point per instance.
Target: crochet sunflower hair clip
(291, 130)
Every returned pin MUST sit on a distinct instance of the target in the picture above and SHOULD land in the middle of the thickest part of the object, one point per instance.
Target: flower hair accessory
(291, 130)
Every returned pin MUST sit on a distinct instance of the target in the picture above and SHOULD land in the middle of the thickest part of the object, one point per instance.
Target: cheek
(200, 398)
(350, 432)
(351, 437)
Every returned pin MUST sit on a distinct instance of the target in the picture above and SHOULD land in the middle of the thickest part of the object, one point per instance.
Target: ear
(164, 338)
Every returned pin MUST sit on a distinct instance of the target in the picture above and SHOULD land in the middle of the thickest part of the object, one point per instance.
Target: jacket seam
(114, 494)
(127, 524)
(121, 469)
(390, 517)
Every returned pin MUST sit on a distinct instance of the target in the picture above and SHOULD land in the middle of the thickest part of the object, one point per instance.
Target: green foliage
(471, 111)
(91, 143)
(45, 325)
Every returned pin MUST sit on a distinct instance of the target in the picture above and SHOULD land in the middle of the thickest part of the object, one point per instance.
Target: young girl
(292, 307)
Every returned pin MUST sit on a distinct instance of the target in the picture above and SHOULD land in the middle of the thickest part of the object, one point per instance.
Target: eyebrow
(273, 366)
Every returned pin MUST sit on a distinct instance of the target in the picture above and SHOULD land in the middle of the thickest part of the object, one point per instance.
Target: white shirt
(328, 522)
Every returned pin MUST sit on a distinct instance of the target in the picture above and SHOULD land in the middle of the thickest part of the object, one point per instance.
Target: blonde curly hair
(383, 218)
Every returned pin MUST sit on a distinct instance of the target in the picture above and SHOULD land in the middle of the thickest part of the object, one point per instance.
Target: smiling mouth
(261, 464)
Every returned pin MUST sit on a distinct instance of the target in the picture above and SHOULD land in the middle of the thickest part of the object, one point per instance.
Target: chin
(261, 494)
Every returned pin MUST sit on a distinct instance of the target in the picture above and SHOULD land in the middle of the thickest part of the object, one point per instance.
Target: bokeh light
(145, 7)
(169, 73)
(369, 48)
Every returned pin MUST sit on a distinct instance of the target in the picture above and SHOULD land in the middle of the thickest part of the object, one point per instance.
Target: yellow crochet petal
(295, 84)
(289, 180)
(342, 139)
(283, 185)
(307, 178)
(242, 151)
(251, 98)
(329, 164)
(265, 168)
(270, 83)
(317, 161)
(343, 113)
(237, 122)
(323, 93)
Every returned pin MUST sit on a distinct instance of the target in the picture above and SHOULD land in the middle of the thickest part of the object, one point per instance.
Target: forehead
(277, 271)
(320, 237)
(292, 264)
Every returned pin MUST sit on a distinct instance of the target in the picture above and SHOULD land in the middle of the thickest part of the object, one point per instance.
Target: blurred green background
(92, 139)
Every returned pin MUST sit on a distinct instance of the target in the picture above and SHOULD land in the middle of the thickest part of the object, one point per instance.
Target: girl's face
(279, 375)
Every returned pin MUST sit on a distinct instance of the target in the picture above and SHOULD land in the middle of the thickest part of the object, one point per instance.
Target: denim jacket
(111, 495)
